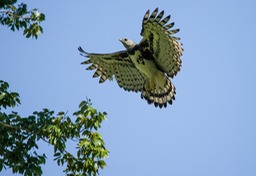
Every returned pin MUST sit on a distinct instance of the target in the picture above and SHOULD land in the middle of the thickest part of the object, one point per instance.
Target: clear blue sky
(210, 130)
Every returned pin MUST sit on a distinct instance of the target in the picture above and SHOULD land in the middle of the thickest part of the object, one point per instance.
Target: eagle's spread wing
(158, 39)
(116, 64)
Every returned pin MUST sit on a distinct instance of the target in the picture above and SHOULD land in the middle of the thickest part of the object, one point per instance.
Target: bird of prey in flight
(145, 67)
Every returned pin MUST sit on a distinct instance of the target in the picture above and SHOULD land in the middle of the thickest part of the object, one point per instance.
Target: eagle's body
(146, 66)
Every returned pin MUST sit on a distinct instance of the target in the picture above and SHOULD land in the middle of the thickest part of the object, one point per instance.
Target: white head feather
(128, 44)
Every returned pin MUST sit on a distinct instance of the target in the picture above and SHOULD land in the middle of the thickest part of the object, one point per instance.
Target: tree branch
(9, 126)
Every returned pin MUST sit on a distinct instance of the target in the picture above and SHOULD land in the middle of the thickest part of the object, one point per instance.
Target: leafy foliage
(18, 17)
(20, 135)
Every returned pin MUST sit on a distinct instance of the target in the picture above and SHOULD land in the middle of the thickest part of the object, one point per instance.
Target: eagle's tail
(160, 96)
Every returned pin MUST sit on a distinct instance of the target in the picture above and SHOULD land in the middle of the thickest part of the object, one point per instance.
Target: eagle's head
(128, 44)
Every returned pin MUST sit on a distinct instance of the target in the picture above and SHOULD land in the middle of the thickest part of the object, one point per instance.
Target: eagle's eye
(125, 39)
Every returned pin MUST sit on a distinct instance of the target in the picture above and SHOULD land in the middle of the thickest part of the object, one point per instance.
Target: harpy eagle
(144, 67)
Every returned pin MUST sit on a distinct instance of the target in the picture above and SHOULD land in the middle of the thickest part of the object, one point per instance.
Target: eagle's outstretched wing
(116, 64)
(158, 39)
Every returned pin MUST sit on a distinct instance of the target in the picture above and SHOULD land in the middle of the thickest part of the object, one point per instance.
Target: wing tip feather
(82, 52)
(159, 16)
(145, 18)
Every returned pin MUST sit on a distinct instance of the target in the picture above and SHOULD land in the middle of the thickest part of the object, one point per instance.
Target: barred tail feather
(160, 97)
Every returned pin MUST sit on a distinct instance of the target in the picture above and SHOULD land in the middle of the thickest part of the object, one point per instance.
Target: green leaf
(57, 155)
(42, 17)
(13, 8)
(83, 103)
(61, 113)
(2, 95)
(13, 27)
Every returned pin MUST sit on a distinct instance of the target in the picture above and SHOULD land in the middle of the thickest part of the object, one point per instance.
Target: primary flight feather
(145, 67)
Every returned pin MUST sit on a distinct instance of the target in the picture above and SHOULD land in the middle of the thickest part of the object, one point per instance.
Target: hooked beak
(122, 41)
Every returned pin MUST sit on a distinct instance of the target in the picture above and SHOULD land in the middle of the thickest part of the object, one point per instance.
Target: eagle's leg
(150, 85)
